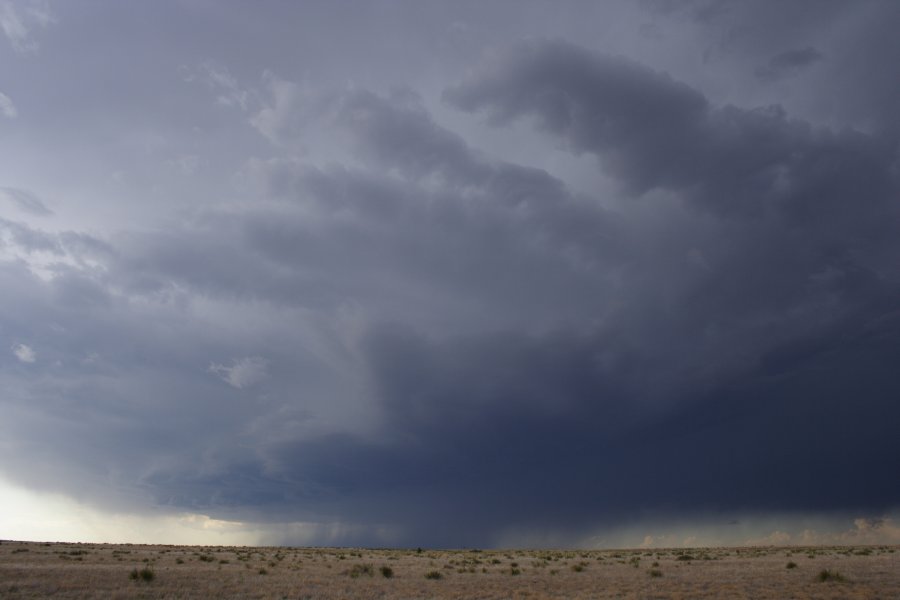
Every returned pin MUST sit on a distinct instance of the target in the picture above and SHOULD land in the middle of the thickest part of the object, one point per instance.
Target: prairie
(69, 570)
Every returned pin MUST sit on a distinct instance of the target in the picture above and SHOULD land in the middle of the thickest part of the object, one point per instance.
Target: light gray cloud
(7, 107)
(25, 201)
(25, 353)
(243, 373)
(19, 20)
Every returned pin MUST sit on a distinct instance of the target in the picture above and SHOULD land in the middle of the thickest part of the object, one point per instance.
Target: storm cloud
(375, 312)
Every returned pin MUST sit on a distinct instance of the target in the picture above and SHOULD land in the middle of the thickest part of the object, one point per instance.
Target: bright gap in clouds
(44, 517)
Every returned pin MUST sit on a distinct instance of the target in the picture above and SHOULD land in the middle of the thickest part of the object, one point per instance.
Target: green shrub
(791, 565)
(655, 573)
(434, 575)
(387, 572)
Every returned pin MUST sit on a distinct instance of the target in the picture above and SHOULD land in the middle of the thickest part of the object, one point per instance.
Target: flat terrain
(37, 570)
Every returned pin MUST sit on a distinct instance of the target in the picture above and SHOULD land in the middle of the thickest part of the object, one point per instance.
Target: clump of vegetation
(684, 557)
(145, 574)
(578, 568)
(358, 570)
(826, 575)
(434, 575)
(654, 573)
(514, 571)
(791, 565)
(263, 572)
(387, 572)
(206, 558)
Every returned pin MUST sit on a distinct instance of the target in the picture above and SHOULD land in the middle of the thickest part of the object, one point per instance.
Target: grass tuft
(826, 575)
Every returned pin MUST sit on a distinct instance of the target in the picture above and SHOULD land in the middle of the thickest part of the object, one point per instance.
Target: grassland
(61, 570)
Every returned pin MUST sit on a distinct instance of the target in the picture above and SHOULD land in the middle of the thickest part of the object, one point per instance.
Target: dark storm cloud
(652, 132)
(425, 339)
(854, 39)
(680, 403)
(523, 429)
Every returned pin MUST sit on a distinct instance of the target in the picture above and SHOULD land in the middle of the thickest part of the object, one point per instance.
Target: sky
(450, 274)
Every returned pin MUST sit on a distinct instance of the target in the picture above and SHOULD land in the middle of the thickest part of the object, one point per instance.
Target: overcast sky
(450, 273)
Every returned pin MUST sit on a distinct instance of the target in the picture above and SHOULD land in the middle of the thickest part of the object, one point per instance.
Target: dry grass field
(38, 570)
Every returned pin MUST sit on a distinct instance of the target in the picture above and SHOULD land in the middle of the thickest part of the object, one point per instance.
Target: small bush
(578, 568)
(387, 572)
(263, 572)
(791, 565)
(826, 575)
(145, 574)
(434, 575)
(358, 570)
(655, 573)
(514, 571)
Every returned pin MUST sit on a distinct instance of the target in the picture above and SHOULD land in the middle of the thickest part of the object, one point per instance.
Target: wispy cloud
(243, 373)
(26, 201)
(25, 353)
(18, 21)
(7, 107)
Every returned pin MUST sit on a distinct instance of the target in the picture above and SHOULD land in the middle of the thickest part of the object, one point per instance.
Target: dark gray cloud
(789, 62)
(657, 303)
